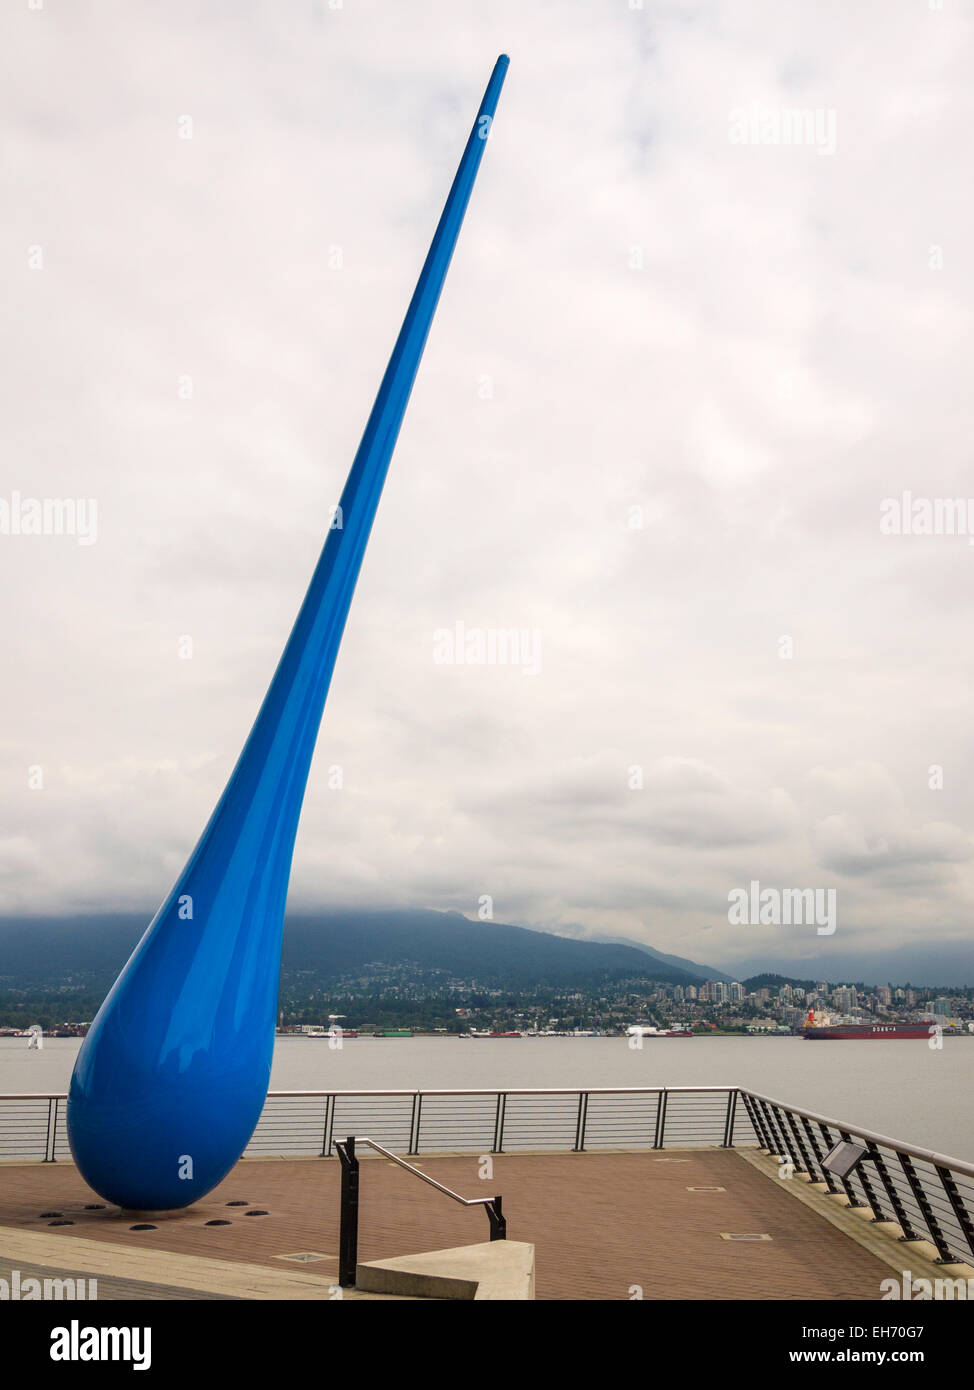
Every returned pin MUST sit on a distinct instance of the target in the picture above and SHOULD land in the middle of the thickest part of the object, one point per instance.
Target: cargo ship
(855, 1032)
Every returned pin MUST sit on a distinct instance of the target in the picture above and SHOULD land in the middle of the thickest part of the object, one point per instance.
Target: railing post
(348, 1224)
(779, 1148)
(926, 1210)
(867, 1187)
(729, 1125)
(329, 1121)
(499, 1123)
(901, 1215)
(957, 1203)
(757, 1123)
(580, 1123)
(414, 1123)
(813, 1144)
(660, 1119)
(800, 1155)
(51, 1129)
(847, 1187)
(498, 1222)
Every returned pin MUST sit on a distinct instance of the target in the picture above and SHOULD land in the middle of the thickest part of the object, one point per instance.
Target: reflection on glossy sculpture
(172, 1076)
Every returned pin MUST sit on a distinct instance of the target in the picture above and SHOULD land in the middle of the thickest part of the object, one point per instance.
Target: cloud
(670, 382)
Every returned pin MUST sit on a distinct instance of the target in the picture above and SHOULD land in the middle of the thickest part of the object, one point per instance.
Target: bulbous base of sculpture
(166, 1156)
(159, 1140)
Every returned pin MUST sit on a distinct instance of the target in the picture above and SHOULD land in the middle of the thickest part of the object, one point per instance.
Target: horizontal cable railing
(929, 1195)
(518, 1120)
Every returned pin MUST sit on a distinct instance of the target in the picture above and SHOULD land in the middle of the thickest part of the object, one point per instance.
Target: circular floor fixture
(95, 1206)
(46, 1214)
(60, 1223)
(143, 1227)
(255, 1212)
(238, 1204)
(217, 1223)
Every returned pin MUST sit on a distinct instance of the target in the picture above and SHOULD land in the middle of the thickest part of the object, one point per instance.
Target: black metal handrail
(348, 1224)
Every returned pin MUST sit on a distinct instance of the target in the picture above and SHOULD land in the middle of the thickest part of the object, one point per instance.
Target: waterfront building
(845, 999)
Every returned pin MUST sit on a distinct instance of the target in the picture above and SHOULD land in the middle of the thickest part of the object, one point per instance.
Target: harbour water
(904, 1089)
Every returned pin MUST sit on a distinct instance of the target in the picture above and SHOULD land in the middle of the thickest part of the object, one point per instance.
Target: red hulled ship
(856, 1032)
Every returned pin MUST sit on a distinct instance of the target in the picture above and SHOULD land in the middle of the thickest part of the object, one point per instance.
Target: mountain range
(347, 942)
(91, 950)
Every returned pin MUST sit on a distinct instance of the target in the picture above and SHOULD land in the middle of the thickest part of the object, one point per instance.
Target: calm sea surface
(902, 1089)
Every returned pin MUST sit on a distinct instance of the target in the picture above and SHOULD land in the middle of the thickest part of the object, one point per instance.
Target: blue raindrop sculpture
(172, 1076)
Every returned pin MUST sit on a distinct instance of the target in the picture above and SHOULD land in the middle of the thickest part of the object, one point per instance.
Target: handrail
(450, 1091)
(913, 1151)
(925, 1206)
(927, 1155)
(348, 1219)
(464, 1201)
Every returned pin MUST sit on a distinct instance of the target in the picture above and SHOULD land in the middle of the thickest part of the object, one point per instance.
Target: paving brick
(602, 1224)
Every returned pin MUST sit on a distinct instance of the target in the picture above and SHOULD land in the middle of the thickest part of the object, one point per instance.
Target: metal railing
(929, 1195)
(33, 1126)
(348, 1223)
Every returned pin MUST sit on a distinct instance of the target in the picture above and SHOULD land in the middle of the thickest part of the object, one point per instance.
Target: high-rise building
(845, 999)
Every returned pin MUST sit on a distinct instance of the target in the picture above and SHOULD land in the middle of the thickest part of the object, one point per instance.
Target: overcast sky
(214, 217)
